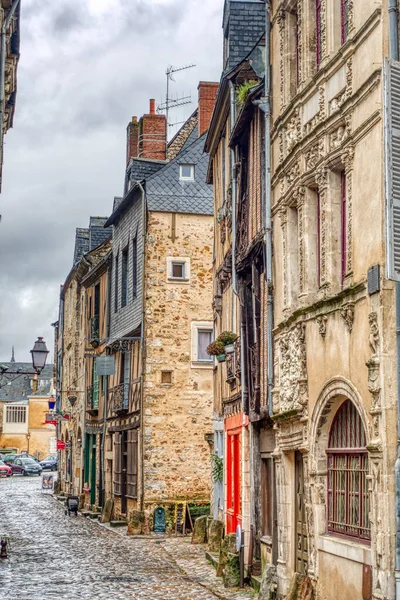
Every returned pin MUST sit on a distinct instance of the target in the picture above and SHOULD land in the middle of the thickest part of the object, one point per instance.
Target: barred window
(348, 499)
(16, 414)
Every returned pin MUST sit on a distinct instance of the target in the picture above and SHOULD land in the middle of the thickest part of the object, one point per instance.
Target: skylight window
(186, 172)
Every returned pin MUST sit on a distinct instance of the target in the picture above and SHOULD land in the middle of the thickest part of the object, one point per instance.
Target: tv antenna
(174, 102)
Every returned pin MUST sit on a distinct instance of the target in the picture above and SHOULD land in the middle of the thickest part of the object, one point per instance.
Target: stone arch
(334, 393)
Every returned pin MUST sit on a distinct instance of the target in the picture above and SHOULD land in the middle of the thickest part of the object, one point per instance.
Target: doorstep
(213, 558)
(118, 523)
(256, 582)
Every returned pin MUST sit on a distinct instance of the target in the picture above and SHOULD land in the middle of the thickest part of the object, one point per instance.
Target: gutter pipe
(142, 345)
(3, 40)
(394, 55)
(266, 107)
(234, 200)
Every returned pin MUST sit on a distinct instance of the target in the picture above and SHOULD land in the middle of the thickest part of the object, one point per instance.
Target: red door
(233, 482)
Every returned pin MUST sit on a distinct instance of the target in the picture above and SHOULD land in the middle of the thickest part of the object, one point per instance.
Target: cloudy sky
(86, 67)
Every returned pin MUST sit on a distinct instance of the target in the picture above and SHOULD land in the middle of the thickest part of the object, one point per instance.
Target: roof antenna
(171, 102)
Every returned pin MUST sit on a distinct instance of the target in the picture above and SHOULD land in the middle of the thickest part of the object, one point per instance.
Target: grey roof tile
(165, 192)
(19, 387)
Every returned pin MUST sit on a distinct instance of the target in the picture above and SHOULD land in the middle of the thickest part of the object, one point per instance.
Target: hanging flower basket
(221, 357)
(227, 339)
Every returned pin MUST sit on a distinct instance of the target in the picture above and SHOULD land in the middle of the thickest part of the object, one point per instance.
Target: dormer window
(186, 172)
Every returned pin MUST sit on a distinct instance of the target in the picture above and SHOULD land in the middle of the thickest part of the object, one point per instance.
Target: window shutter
(117, 464)
(392, 166)
(131, 474)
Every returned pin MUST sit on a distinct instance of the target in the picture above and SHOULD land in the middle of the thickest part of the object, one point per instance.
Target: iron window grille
(348, 496)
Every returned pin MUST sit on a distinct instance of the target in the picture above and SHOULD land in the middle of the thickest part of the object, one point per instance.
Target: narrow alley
(53, 556)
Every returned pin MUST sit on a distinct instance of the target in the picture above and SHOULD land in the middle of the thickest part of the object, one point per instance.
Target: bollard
(3, 549)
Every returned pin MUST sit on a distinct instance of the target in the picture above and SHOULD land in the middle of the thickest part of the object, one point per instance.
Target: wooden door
(93, 472)
(233, 478)
(301, 543)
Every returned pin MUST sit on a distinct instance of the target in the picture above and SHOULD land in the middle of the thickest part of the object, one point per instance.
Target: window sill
(354, 551)
(202, 365)
(178, 280)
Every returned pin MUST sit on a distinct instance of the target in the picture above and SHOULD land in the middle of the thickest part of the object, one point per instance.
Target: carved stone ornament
(314, 154)
(373, 363)
(322, 325)
(373, 333)
(347, 313)
(293, 372)
(338, 136)
(293, 131)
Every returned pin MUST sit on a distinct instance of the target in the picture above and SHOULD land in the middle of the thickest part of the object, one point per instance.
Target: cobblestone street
(54, 556)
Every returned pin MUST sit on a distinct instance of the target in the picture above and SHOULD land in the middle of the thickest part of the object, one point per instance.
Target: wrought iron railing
(120, 398)
(95, 329)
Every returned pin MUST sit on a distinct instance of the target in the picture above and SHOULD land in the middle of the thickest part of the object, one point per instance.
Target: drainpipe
(234, 207)
(266, 107)
(3, 49)
(142, 346)
(394, 55)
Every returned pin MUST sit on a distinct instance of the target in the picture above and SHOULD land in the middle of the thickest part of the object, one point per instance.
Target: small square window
(166, 376)
(178, 270)
(186, 172)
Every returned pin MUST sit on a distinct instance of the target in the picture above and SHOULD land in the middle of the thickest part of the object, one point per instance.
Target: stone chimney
(207, 94)
(132, 138)
(152, 139)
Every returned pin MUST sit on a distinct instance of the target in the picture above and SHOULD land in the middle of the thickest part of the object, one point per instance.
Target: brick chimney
(132, 138)
(207, 94)
(152, 140)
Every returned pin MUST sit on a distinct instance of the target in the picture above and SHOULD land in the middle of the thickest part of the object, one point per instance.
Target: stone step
(93, 515)
(213, 558)
(118, 524)
(256, 582)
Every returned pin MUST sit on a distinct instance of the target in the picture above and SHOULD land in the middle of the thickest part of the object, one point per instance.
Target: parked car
(9, 459)
(5, 470)
(26, 466)
(49, 463)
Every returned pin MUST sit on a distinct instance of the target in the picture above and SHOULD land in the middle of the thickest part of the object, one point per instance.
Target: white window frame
(182, 177)
(186, 269)
(197, 326)
(19, 411)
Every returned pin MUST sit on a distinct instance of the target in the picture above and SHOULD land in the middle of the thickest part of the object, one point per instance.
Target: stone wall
(177, 415)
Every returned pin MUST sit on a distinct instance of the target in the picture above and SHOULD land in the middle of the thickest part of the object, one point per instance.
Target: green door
(93, 472)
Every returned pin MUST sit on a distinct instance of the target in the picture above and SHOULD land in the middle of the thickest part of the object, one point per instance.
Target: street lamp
(39, 355)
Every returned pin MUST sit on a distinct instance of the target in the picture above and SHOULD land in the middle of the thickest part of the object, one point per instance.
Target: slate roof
(165, 192)
(89, 238)
(97, 233)
(141, 168)
(81, 243)
(245, 20)
(16, 388)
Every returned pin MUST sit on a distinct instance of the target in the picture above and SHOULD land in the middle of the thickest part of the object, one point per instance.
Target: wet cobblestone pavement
(53, 556)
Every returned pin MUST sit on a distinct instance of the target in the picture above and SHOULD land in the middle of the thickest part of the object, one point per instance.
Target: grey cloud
(81, 78)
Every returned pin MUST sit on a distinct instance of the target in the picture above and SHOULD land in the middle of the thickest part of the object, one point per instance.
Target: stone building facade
(10, 18)
(160, 298)
(316, 456)
(72, 344)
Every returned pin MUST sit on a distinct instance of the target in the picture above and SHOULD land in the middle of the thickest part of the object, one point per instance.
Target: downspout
(266, 106)
(142, 346)
(234, 205)
(394, 55)
(3, 44)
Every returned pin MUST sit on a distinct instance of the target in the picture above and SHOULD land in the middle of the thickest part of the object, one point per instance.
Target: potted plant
(217, 349)
(228, 339)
